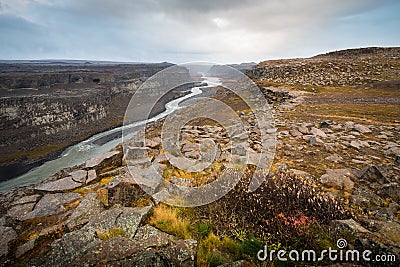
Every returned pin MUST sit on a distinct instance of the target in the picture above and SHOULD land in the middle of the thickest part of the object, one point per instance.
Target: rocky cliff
(47, 107)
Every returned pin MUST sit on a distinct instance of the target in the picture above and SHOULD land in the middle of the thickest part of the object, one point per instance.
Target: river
(91, 147)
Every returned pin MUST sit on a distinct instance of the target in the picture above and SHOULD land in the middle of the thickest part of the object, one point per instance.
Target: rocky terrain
(47, 106)
(335, 174)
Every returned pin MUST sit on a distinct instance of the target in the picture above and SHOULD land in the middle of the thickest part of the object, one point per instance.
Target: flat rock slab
(88, 208)
(7, 235)
(79, 176)
(26, 199)
(59, 185)
(19, 211)
(111, 157)
(51, 204)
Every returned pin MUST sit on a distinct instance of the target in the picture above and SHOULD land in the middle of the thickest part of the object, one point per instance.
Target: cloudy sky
(223, 31)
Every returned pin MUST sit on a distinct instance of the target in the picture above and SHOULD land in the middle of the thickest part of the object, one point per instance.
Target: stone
(199, 167)
(357, 144)
(91, 176)
(26, 199)
(153, 143)
(67, 250)
(325, 124)
(126, 192)
(349, 125)
(60, 185)
(372, 174)
(189, 146)
(51, 204)
(79, 176)
(315, 141)
(8, 235)
(28, 246)
(362, 128)
(317, 132)
(338, 178)
(87, 208)
(111, 252)
(240, 149)
(19, 211)
(180, 162)
(84, 245)
(334, 158)
(303, 130)
(134, 153)
(111, 158)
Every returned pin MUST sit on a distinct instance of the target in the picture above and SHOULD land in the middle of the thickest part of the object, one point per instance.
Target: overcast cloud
(225, 31)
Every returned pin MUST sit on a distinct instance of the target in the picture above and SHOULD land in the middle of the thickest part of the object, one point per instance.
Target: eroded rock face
(60, 185)
(42, 104)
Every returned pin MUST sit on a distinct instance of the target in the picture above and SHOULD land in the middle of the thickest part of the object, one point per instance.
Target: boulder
(314, 140)
(85, 246)
(338, 178)
(372, 174)
(317, 132)
(349, 125)
(87, 208)
(362, 128)
(357, 144)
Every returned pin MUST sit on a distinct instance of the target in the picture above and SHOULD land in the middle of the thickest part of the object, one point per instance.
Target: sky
(178, 31)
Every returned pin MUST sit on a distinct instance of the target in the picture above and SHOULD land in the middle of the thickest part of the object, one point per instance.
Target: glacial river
(91, 147)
